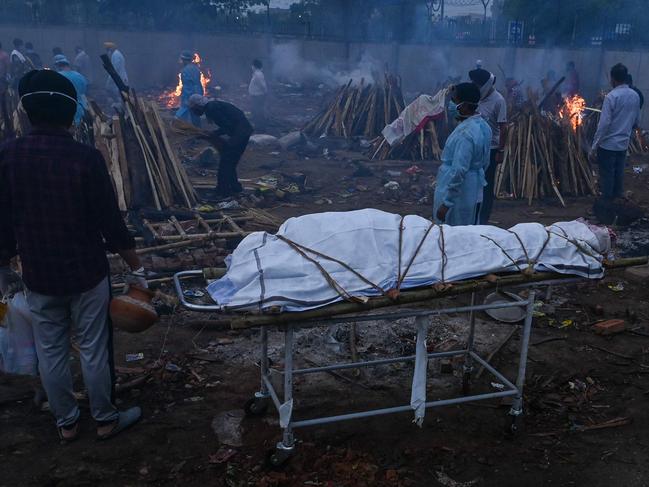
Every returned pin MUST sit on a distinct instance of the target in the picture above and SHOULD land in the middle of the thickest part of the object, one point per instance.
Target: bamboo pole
(420, 296)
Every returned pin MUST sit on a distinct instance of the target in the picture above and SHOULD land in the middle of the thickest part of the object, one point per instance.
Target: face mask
(51, 93)
(454, 110)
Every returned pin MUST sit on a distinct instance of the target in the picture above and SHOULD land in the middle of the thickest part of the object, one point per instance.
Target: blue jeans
(611, 173)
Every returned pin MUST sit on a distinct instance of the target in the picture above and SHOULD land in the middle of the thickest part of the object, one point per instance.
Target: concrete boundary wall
(152, 57)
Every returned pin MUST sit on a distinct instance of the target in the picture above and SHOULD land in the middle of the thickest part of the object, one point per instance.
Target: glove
(10, 282)
(137, 278)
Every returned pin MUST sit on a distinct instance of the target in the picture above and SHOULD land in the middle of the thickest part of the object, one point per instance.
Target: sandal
(68, 434)
(126, 419)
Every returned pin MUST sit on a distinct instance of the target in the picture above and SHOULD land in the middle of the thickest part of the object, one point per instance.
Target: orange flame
(572, 110)
(171, 98)
(206, 79)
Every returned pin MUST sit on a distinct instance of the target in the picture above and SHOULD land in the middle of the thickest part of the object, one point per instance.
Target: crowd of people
(79, 70)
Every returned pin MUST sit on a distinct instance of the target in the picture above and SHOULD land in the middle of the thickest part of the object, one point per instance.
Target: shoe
(125, 420)
(68, 434)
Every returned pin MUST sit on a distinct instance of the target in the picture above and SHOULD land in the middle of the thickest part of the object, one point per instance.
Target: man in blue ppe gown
(461, 177)
(190, 76)
(62, 65)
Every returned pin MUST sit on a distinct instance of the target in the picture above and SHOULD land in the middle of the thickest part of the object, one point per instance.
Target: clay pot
(133, 312)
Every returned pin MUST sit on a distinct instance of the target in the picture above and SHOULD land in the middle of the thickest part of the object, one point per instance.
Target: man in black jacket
(231, 139)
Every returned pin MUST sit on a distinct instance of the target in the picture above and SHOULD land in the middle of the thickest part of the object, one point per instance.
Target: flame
(171, 98)
(206, 79)
(572, 110)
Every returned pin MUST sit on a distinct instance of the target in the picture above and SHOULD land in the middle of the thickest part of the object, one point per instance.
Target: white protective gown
(461, 177)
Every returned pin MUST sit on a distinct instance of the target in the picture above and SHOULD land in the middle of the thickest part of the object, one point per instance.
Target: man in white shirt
(82, 64)
(493, 108)
(620, 114)
(258, 90)
(119, 63)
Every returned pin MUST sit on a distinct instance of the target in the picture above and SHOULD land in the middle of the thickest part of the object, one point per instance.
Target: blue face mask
(453, 110)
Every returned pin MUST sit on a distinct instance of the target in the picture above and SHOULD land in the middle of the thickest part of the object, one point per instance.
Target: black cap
(55, 106)
(479, 76)
(467, 92)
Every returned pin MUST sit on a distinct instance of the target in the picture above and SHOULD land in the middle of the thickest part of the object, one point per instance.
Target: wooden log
(123, 162)
(188, 193)
(196, 236)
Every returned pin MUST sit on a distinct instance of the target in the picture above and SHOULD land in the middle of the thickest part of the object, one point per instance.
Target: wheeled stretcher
(288, 323)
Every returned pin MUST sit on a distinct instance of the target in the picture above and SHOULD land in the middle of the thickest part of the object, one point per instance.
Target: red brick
(609, 327)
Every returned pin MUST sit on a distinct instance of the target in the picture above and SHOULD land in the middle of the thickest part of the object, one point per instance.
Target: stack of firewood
(359, 110)
(638, 143)
(420, 145)
(545, 155)
(145, 169)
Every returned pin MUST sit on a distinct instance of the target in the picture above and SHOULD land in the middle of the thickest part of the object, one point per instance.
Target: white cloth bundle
(413, 115)
(267, 271)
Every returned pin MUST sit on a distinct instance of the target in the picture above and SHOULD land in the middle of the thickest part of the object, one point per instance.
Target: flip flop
(73, 432)
(126, 419)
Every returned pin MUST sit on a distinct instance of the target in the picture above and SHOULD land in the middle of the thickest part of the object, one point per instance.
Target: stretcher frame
(269, 394)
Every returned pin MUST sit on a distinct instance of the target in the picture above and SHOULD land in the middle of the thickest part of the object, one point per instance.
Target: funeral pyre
(546, 154)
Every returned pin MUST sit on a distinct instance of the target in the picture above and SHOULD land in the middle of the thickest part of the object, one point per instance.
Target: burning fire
(171, 98)
(572, 109)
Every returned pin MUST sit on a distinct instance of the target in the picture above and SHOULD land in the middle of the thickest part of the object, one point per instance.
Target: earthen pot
(133, 311)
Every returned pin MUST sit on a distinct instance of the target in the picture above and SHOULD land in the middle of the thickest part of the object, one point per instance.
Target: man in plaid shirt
(58, 212)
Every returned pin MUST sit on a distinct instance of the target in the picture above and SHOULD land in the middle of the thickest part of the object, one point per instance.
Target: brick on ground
(609, 327)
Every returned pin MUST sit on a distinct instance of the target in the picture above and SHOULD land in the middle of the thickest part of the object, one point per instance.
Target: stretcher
(377, 309)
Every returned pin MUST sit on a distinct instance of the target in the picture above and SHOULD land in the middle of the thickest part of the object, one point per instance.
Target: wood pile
(417, 146)
(359, 110)
(638, 143)
(544, 156)
(172, 240)
(144, 167)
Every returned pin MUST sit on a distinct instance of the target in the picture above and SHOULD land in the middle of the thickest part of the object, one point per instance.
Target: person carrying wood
(59, 215)
(231, 139)
(461, 177)
(620, 114)
(493, 109)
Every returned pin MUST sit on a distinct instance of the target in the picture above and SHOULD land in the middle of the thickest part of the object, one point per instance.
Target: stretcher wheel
(512, 426)
(256, 406)
(277, 459)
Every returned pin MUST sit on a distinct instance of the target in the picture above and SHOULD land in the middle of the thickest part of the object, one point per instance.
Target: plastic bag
(17, 349)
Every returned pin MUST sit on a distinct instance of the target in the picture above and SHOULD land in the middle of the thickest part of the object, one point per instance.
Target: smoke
(289, 66)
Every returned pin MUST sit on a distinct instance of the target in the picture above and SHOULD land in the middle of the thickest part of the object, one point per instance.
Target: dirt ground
(586, 419)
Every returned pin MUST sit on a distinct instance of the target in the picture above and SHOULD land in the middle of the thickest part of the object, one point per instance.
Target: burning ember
(171, 98)
(572, 109)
